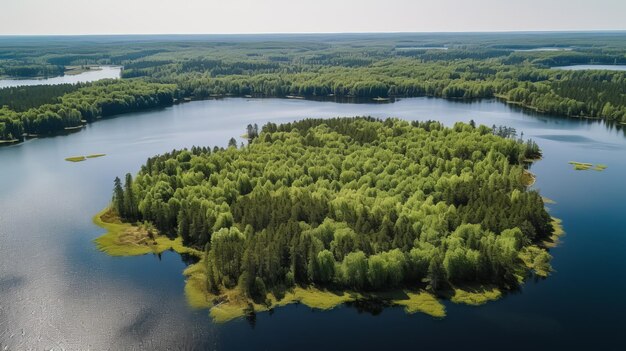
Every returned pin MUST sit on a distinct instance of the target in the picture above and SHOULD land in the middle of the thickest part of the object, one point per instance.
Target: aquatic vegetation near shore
(83, 158)
(76, 159)
(600, 167)
(476, 296)
(124, 239)
(95, 155)
(232, 304)
(582, 166)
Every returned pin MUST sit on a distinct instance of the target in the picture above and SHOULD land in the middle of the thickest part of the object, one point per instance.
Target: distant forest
(161, 70)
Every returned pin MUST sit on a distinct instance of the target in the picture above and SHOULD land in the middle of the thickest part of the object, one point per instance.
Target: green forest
(80, 105)
(349, 203)
(161, 70)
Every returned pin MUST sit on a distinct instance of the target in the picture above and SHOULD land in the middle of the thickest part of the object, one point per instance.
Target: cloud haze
(280, 16)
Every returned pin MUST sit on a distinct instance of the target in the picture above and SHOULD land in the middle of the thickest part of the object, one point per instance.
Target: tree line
(474, 67)
(78, 105)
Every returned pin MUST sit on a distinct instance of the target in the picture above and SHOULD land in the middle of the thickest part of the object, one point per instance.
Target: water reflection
(57, 291)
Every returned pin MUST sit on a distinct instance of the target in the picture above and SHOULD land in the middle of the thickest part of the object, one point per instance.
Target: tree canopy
(353, 203)
(335, 67)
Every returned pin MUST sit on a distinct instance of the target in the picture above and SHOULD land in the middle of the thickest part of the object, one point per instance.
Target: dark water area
(58, 292)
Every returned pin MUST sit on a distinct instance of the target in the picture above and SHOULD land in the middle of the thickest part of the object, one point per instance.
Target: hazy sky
(276, 16)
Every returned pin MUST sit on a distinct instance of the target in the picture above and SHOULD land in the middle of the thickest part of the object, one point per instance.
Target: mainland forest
(161, 70)
(349, 203)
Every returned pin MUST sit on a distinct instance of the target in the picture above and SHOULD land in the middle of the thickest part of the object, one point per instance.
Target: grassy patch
(124, 239)
(231, 304)
(553, 241)
(476, 296)
(583, 166)
(316, 298)
(196, 286)
(600, 167)
(95, 155)
(75, 158)
(83, 158)
(422, 301)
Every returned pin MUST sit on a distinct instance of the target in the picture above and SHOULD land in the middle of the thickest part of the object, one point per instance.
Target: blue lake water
(102, 72)
(58, 292)
(592, 67)
(550, 48)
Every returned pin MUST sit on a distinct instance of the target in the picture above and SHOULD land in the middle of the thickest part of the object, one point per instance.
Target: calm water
(409, 48)
(544, 49)
(89, 76)
(593, 67)
(57, 291)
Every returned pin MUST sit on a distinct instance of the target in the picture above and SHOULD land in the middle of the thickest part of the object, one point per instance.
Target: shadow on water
(10, 282)
(189, 259)
(370, 306)
(141, 326)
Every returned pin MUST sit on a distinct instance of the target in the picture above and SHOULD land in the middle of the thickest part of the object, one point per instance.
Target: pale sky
(298, 16)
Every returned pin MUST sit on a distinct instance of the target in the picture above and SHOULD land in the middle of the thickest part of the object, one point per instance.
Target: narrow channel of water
(94, 74)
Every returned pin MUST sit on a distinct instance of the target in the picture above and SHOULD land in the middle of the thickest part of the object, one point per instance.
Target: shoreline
(335, 99)
(126, 239)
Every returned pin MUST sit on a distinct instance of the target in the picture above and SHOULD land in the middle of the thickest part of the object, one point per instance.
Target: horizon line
(532, 31)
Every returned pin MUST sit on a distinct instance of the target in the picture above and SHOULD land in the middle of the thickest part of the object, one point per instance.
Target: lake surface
(58, 292)
(410, 48)
(592, 67)
(551, 48)
(104, 72)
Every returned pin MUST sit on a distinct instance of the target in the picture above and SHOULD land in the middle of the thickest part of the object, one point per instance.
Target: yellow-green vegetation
(75, 158)
(421, 301)
(196, 290)
(558, 232)
(528, 178)
(600, 167)
(232, 304)
(582, 166)
(476, 296)
(83, 158)
(124, 239)
(95, 155)
(548, 201)
(316, 298)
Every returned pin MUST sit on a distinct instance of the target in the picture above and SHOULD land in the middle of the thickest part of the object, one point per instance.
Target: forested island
(159, 71)
(324, 212)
